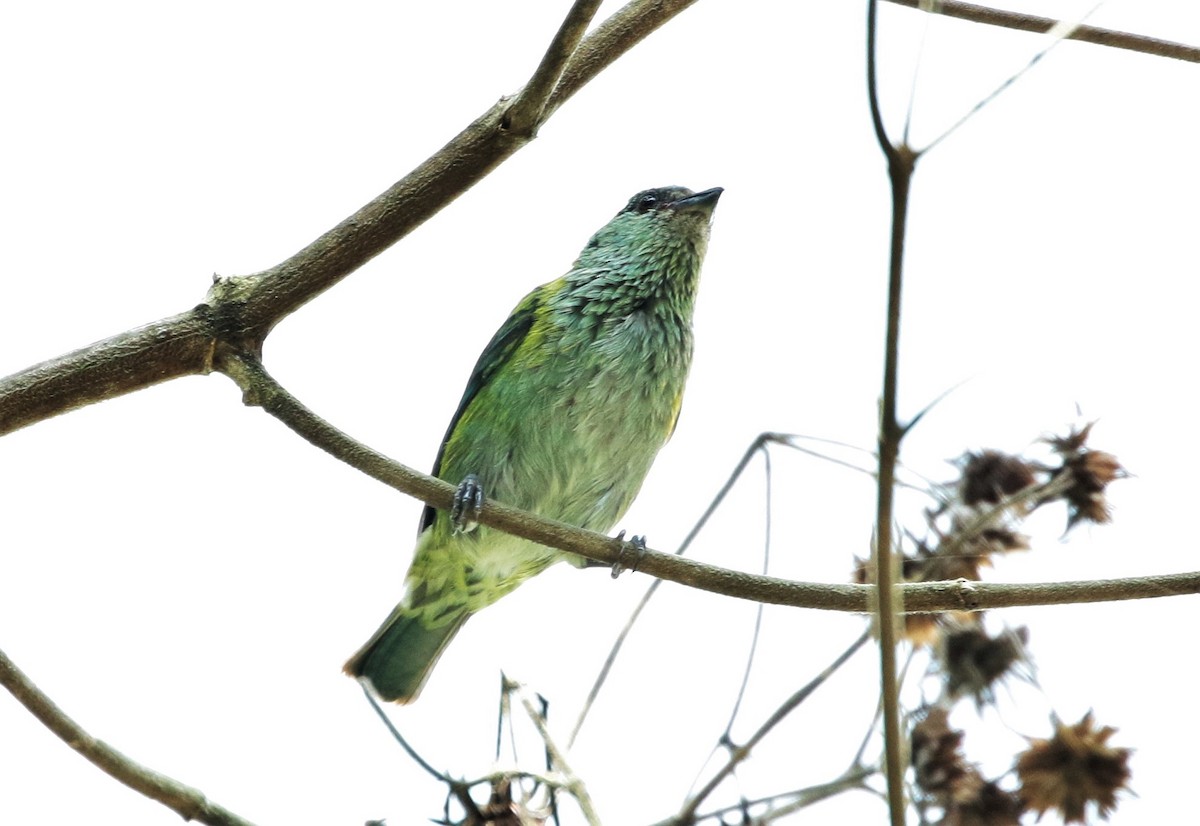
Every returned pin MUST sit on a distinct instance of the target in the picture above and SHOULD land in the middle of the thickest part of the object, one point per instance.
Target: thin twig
(852, 779)
(619, 643)
(399, 738)
(260, 389)
(187, 802)
(1061, 31)
(758, 613)
(796, 798)
(687, 814)
(1034, 23)
(572, 783)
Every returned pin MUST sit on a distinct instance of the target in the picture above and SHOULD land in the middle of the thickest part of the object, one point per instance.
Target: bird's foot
(468, 501)
(635, 545)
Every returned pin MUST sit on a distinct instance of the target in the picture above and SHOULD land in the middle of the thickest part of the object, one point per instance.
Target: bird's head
(652, 247)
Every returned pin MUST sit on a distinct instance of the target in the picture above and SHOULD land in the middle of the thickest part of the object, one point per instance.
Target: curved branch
(188, 803)
(240, 311)
(275, 293)
(260, 389)
(1034, 23)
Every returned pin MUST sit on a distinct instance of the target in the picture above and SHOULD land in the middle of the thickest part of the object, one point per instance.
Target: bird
(563, 415)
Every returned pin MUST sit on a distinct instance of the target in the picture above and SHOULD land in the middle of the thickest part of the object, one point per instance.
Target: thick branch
(468, 158)
(167, 349)
(1034, 23)
(240, 311)
(188, 803)
(260, 389)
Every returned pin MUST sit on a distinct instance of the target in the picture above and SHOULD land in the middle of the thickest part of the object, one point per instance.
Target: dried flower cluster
(953, 784)
(1074, 768)
(1068, 773)
(978, 516)
(972, 661)
(1090, 472)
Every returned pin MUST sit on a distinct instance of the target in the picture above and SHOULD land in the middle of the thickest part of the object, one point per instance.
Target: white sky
(185, 576)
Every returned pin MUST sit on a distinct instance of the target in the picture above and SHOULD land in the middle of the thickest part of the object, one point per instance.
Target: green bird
(562, 416)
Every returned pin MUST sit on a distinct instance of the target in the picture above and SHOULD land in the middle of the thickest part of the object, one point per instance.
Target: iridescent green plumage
(563, 416)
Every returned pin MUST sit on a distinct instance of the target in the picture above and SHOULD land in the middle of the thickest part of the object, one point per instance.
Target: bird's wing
(498, 353)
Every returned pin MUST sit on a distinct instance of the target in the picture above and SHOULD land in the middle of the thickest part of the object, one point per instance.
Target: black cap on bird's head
(677, 198)
(659, 236)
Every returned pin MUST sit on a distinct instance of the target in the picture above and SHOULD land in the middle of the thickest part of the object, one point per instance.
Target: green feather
(563, 415)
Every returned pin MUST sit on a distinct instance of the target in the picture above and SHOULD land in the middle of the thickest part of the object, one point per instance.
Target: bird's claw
(637, 545)
(468, 501)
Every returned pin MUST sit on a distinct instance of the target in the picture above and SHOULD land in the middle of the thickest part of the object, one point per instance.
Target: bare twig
(784, 803)
(240, 311)
(1062, 31)
(727, 734)
(735, 474)
(1034, 23)
(687, 814)
(404, 744)
(572, 783)
(188, 803)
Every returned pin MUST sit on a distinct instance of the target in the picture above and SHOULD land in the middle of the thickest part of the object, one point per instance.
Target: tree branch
(188, 803)
(240, 311)
(167, 349)
(260, 389)
(527, 108)
(1034, 23)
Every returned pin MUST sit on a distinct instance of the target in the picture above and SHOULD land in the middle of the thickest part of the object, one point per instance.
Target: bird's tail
(398, 658)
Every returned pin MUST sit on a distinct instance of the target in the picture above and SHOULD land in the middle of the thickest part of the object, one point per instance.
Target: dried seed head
(1072, 769)
(991, 476)
(941, 770)
(973, 662)
(991, 806)
(1090, 471)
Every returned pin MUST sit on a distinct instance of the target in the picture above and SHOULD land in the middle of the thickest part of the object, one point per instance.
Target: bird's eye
(646, 203)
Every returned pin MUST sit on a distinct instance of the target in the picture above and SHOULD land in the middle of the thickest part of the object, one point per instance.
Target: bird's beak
(704, 201)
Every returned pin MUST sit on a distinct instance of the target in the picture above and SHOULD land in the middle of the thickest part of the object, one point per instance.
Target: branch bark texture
(240, 311)
(187, 802)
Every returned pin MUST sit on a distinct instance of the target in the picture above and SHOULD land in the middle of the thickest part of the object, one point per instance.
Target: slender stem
(756, 633)
(890, 603)
(687, 814)
(572, 782)
(187, 802)
(900, 162)
(1006, 83)
(797, 798)
(404, 744)
(619, 643)
(1034, 23)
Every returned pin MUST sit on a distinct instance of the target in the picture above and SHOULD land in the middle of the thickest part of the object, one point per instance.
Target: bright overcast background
(185, 576)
